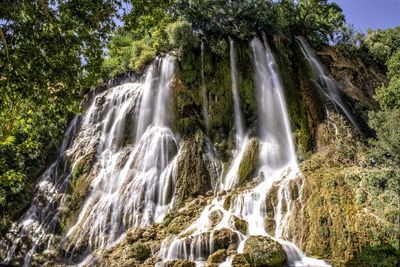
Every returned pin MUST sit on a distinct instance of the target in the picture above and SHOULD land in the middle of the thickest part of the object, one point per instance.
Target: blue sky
(374, 14)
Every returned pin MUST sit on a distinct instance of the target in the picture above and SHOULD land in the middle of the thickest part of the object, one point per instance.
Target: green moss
(249, 161)
(140, 251)
(79, 188)
(217, 83)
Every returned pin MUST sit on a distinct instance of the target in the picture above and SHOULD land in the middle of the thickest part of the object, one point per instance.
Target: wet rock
(249, 162)
(217, 257)
(134, 235)
(238, 224)
(239, 260)
(271, 201)
(224, 237)
(263, 251)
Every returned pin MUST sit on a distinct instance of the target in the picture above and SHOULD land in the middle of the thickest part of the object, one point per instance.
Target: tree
(50, 53)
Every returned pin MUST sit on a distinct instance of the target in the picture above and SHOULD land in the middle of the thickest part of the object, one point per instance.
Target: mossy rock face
(249, 162)
(344, 215)
(271, 201)
(194, 176)
(217, 257)
(263, 251)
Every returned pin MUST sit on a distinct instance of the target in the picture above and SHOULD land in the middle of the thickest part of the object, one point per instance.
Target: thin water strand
(327, 85)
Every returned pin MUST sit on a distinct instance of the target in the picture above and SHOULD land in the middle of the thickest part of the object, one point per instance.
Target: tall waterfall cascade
(125, 148)
(133, 168)
(278, 167)
(327, 85)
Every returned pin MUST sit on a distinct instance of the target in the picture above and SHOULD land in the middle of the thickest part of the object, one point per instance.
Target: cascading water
(204, 91)
(326, 85)
(134, 187)
(230, 179)
(239, 125)
(40, 221)
(132, 170)
(278, 169)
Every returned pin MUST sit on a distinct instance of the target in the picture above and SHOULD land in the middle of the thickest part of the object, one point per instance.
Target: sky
(373, 14)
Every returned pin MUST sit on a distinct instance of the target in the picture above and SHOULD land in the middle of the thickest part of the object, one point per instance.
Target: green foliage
(316, 19)
(180, 35)
(385, 149)
(371, 256)
(389, 97)
(50, 53)
(383, 43)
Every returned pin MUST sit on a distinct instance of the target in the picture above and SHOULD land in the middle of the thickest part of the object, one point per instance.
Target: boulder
(239, 260)
(217, 257)
(263, 251)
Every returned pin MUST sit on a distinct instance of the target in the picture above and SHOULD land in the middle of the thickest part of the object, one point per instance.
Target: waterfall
(278, 169)
(277, 148)
(231, 178)
(41, 219)
(325, 84)
(239, 125)
(134, 187)
(204, 91)
(132, 170)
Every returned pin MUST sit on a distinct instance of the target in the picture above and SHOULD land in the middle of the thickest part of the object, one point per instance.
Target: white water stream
(133, 170)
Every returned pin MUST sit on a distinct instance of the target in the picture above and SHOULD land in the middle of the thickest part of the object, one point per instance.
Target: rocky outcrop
(194, 171)
(263, 251)
(357, 79)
